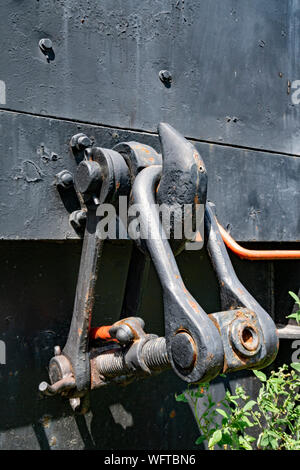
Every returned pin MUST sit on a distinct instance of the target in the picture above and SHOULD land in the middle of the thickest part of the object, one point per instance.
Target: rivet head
(165, 76)
(45, 44)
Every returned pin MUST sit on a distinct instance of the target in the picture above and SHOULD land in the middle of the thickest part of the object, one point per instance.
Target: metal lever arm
(194, 345)
(100, 176)
(76, 348)
(235, 296)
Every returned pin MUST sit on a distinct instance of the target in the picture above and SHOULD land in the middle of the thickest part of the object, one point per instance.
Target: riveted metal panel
(233, 65)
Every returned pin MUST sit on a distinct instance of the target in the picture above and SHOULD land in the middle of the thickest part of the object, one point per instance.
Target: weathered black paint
(232, 65)
(36, 306)
(231, 62)
(256, 193)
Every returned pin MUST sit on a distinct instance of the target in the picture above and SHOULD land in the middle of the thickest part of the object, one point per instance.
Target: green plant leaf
(245, 422)
(295, 315)
(296, 366)
(215, 438)
(199, 394)
(264, 440)
(249, 405)
(244, 443)
(222, 412)
(274, 443)
(200, 440)
(226, 436)
(181, 397)
(295, 297)
(260, 375)
(276, 413)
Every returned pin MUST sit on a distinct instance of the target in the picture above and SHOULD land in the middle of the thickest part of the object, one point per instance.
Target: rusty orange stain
(194, 305)
(141, 147)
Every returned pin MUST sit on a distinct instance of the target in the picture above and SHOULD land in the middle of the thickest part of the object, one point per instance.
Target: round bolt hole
(249, 338)
(245, 338)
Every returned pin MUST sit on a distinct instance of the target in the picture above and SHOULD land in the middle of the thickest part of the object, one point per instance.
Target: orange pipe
(244, 253)
(101, 332)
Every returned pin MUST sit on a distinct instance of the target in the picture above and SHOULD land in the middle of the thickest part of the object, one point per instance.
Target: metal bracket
(196, 345)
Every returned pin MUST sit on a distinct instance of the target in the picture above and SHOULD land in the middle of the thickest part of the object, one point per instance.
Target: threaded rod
(154, 354)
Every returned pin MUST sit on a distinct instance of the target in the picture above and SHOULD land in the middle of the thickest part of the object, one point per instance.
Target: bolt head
(64, 179)
(183, 350)
(88, 177)
(80, 141)
(122, 333)
(77, 219)
(84, 142)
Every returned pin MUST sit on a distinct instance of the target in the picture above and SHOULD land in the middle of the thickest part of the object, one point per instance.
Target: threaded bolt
(112, 364)
(154, 354)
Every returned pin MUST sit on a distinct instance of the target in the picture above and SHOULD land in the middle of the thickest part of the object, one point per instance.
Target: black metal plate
(232, 62)
(256, 193)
